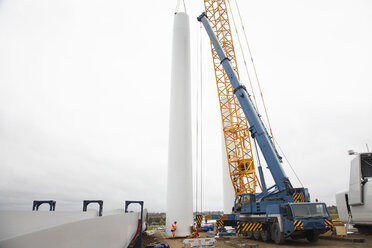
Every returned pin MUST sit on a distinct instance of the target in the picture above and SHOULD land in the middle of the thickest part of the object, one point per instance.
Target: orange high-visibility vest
(174, 227)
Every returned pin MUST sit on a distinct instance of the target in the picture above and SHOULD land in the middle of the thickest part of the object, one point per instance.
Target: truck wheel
(265, 235)
(276, 234)
(249, 234)
(312, 236)
(256, 235)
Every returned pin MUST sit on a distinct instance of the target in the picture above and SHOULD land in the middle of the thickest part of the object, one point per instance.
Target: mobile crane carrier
(280, 211)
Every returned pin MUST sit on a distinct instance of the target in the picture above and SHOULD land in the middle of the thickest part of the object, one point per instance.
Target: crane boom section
(235, 127)
(257, 127)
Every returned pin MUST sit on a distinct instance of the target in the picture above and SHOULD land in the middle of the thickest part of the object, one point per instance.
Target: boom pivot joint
(201, 16)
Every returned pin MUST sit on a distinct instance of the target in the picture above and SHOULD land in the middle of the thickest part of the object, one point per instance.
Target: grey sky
(84, 95)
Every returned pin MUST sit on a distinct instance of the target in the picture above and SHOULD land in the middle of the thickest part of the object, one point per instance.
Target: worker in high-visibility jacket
(174, 228)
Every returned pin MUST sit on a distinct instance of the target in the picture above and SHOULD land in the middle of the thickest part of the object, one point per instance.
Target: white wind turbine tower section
(227, 187)
(179, 193)
(228, 191)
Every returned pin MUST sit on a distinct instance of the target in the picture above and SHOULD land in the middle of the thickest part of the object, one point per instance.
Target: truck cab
(306, 220)
(281, 221)
(354, 205)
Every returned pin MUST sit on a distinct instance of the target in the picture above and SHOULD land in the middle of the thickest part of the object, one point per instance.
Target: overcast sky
(84, 96)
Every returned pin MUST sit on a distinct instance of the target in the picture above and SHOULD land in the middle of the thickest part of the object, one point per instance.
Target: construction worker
(193, 231)
(174, 228)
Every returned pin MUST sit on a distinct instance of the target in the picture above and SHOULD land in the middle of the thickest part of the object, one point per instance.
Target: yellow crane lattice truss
(235, 125)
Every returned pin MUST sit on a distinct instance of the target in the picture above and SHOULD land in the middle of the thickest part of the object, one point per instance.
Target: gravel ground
(355, 240)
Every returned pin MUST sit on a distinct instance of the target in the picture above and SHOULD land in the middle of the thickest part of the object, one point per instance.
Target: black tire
(265, 235)
(276, 234)
(312, 236)
(257, 235)
(249, 234)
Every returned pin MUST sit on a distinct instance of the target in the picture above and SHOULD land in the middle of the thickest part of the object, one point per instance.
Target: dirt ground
(352, 241)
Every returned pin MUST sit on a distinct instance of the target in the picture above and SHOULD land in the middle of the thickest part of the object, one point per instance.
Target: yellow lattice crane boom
(235, 125)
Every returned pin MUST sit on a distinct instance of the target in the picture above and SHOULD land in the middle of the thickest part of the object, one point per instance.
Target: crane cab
(243, 201)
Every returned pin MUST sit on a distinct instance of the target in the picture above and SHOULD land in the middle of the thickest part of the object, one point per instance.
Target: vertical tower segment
(179, 192)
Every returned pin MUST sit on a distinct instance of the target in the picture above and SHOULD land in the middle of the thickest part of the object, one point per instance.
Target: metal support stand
(87, 202)
(37, 204)
(200, 242)
(127, 203)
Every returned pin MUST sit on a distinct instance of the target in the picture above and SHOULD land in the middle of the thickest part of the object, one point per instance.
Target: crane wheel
(256, 235)
(276, 234)
(265, 235)
(312, 236)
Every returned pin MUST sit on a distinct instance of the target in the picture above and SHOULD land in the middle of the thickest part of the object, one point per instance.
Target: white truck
(354, 206)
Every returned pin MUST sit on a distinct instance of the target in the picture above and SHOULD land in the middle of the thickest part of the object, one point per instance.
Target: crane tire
(312, 236)
(276, 234)
(256, 235)
(265, 235)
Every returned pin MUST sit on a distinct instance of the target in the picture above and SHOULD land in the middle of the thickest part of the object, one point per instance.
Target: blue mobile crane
(280, 211)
